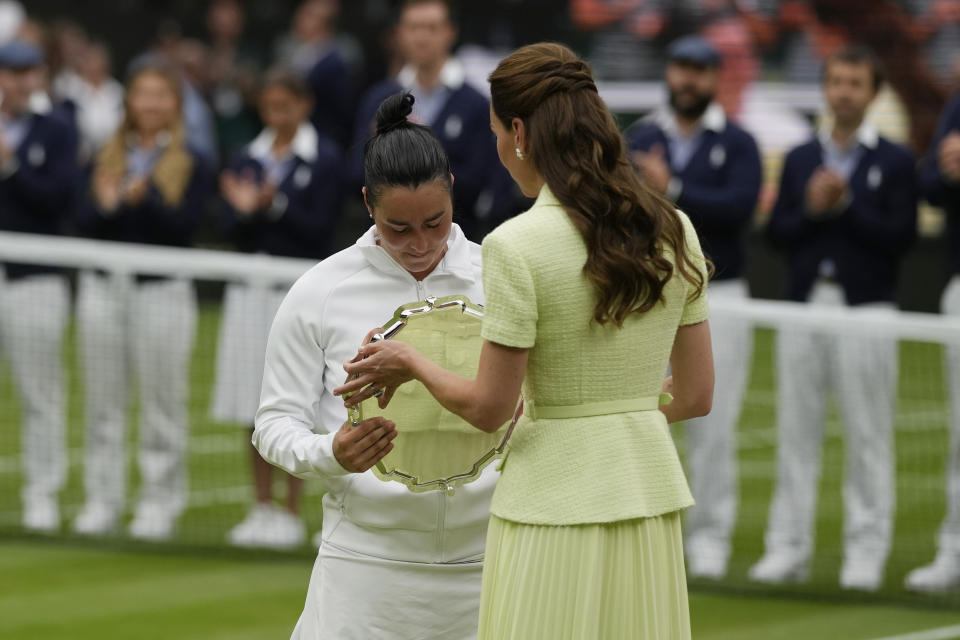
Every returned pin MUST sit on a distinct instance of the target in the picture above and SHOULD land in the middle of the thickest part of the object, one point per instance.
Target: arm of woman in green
(489, 400)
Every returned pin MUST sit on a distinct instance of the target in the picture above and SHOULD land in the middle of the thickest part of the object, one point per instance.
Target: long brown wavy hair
(173, 169)
(575, 145)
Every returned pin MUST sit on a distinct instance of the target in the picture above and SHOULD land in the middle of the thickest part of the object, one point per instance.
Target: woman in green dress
(589, 296)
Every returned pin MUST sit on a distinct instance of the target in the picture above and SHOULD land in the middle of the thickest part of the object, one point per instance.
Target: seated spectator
(324, 60)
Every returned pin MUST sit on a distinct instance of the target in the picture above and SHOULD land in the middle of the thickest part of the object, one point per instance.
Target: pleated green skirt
(618, 581)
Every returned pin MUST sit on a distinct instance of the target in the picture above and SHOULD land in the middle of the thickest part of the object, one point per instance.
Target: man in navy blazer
(940, 181)
(454, 110)
(711, 168)
(845, 214)
(38, 168)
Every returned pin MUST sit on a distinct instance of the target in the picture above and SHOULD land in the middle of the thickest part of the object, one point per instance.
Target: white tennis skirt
(358, 597)
(248, 312)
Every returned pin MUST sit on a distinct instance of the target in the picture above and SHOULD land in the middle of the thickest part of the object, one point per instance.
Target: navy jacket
(333, 97)
(935, 187)
(38, 196)
(463, 127)
(301, 221)
(153, 221)
(721, 185)
(865, 241)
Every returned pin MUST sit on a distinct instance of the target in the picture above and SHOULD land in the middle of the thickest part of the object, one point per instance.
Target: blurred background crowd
(221, 50)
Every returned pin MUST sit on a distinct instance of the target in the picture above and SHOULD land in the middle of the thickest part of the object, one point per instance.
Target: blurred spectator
(726, 27)
(283, 197)
(937, 26)
(231, 76)
(940, 180)
(313, 49)
(12, 16)
(147, 185)
(888, 33)
(458, 114)
(97, 96)
(187, 59)
(802, 40)
(711, 168)
(37, 174)
(625, 33)
(845, 214)
(69, 46)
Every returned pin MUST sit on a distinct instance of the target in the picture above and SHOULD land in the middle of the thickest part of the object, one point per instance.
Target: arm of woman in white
(691, 366)
(292, 383)
(486, 402)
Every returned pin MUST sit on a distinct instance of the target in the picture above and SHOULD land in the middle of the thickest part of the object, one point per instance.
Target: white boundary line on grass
(940, 633)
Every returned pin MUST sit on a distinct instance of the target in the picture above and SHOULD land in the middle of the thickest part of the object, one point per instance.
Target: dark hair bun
(392, 113)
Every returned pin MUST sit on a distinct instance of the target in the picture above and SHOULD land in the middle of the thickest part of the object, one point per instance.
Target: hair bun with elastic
(393, 112)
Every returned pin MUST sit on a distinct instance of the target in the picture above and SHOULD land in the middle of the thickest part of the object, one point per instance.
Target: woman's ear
(366, 202)
(451, 179)
(519, 134)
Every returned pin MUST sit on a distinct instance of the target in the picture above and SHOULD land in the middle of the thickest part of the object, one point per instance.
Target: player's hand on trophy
(357, 448)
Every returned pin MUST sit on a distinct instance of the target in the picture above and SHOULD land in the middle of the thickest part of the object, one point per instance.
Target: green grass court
(51, 591)
(195, 588)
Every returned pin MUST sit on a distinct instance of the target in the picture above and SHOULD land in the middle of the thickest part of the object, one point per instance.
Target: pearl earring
(521, 154)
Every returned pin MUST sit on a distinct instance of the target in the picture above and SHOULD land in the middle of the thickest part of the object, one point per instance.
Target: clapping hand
(6, 151)
(135, 189)
(825, 191)
(106, 190)
(653, 167)
(948, 157)
(244, 193)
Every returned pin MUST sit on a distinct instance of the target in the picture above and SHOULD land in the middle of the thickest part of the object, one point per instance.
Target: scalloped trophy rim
(401, 317)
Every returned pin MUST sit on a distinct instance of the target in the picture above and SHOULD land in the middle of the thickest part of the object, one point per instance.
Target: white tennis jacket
(319, 326)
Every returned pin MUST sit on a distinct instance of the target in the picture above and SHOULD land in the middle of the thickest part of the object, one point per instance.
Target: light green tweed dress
(584, 540)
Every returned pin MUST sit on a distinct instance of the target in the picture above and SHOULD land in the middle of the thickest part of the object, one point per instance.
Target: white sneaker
(41, 514)
(269, 526)
(152, 523)
(96, 519)
(776, 567)
(861, 575)
(246, 533)
(707, 563)
(943, 574)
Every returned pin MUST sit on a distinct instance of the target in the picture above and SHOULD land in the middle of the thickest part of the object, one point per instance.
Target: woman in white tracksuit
(392, 563)
(146, 186)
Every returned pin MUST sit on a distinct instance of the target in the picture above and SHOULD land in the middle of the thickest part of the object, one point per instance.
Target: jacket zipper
(442, 512)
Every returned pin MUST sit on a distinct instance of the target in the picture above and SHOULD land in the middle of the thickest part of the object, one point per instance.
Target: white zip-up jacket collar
(319, 326)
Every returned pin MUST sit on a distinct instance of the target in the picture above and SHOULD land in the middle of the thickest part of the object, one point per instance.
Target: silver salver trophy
(434, 448)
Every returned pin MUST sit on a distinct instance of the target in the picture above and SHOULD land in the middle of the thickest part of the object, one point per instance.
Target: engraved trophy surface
(434, 448)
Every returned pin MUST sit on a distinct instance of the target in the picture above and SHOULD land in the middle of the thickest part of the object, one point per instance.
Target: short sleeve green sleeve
(510, 310)
(695, 310)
